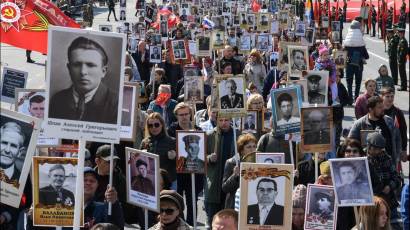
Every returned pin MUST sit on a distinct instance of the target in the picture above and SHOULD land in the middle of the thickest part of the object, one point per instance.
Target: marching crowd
(163, 112)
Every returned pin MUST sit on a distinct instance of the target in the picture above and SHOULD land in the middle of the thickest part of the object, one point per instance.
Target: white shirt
(290, 121)
(9, 171)
(263, 213)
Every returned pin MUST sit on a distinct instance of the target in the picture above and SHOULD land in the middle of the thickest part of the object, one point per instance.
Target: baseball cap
(103, 152)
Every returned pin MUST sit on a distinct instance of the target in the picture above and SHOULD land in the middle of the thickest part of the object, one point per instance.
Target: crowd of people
(163, 112)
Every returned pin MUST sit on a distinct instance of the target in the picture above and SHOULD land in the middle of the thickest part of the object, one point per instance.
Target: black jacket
(275, 216)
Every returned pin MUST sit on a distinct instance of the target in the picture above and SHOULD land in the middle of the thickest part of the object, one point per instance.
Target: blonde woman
(255, 71)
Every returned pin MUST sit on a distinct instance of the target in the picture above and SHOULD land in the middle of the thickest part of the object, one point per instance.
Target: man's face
(347, 175)
(10, 148)
(299, 59)
(286, 108)
(155, 51)
(90, 184)
(57, 177)
(323, 204)
(250, 119)
(86, 69)
(184, 116)
(228, 53)
(266, 193)
(193, 149)
(142, 169)
(224, 223)
(313, 85)
(230, 88)
(37, 109)
(315, 124)
(378, 110)
(224, 123)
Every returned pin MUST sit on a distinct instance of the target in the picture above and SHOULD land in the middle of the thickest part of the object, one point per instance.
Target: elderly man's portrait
(155, 54)
(193, 89)
(316, 126)
(317, 87)
(84, 81)
(321, 208)
(270, 158)
(231, 93)
(191, 152)
(351, 178)
(298, 60)
(56, 185)
(250, 122)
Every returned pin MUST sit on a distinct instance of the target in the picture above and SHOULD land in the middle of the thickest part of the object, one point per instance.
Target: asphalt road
(15, 58)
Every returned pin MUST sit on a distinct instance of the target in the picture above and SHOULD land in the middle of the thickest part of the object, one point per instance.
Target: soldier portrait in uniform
(250, 122)
(190, 152)
(339, 58)
(321, 208)
(204, 45)
(317, 128)
(193, 89)
(317, 87)
(142, 178)
(218, 39)
(231, 93)
(298, 60)
(264, 20)
(245, 43)
(351, 178)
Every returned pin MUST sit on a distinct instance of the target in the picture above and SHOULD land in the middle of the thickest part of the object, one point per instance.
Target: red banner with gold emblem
(24, 23)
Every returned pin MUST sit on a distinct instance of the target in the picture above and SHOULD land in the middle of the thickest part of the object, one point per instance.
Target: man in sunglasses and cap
(314, 95)
(142, 183)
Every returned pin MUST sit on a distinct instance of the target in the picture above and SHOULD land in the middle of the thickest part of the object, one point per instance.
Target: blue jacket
(169, 110)
(404, 206)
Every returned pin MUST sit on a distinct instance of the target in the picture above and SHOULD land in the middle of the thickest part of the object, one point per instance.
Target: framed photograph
(286, 104)
(163, 29)
(132, 44)
(143, 179)
(31, 102)
(69, 114)
(283, 18)
(300, 29)
(251, 20)
(250, 122)
(179, 50)
(243, 20)
(18, 142)
(270, 158)
(236, 20)
(298, 60)
(262, 179)
(12, 79)
(335, 37)
(155, 54)
(156, 39)
(351, 179)
(232, 96)
(317, 129)
(193, 89)
(54, 185)
(263, 21)
(218, 39)
(184, 12)
(123, 16)
(335, 25)
(267, 120)
(283, 55)
(325, 22)
(128, 118)
(321, 209)
(204, 46)
(191, 152)
(262, 42)
(317, 82)
(245, 43)
(274, 57)
(191, 71)
(106, 28)
(363, 136)
(274, 27)
(340, 58)
(302, 83)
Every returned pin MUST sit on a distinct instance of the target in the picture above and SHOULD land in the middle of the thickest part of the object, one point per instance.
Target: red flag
(255, 6)
(25, 23)
(395, 19)
(369, 16)
(316, 10)
(172, 19)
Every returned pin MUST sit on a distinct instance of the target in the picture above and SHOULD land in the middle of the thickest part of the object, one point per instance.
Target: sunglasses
(156, 125)
(167, 211)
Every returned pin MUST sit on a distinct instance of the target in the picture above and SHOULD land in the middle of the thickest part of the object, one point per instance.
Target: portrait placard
(283, 19)
(321, 209)
(310, 36)
(325, 22)
(204, 46)
(84, 106)
(155, 54)
(317, 129)
(340, 58)
(335, 25)
(274, 27)
(302, 83)
(351, 179)
(335, 37)
(232, 96)
(250, 122)
(262, 42)
(263, 21)
(270, 158)
(191, 152)
(31, 102)
(298, 60)
(283, 55)
(218, 39)
(286, 104)
(54, 187)
(132, 44)
(11, 80)
(245, 45)
(364, 12)
(251, 20)
(164, 30)
(142, 178)
(193, 89)
(128, 117)
(179, 51)
(18, 142)
(272, 184)
(267, 120)
(243, 21)
(300, 29)
(106, 28)
(317, 82)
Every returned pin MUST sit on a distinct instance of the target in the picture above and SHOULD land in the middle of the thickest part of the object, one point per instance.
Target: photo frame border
(316, 147)
(134, 85)
(180, 132)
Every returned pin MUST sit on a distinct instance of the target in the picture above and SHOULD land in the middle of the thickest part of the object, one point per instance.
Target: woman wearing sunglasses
(170, 212)
(158, 142)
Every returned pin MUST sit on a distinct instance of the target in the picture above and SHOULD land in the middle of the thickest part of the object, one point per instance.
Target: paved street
(15, 58)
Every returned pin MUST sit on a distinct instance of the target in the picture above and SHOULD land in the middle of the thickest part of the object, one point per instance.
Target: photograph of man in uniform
(193, 90)
(266, 211)
(244, 19)
(204, 43)
(164, 29)
(251, 19)
(88, 98)
(314, 90)
(232, 99)
(323, 205)
(192, 162)
(285, 103)
(264, 20)
(316, 128)
(218, 40)
(352, 185)
(298, 60)
(142, 183)
(250, 122)
(309, 36)
(155, 53)
(122, 15)
(54, 193)
(300, 29)
(245, 42)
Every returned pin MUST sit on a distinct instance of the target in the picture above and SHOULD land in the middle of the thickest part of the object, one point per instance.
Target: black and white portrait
(274, 27)
(106, 28)
(231, 93)
(179, 49)
(283, 18)
(155, 54)
(251, 20)
(263, 22)
(18, 142)
(321, 210)
(298, 60)
(302, 83)
(300, 29)
(132, 44)
(191, 152)
(263, 42)
(270, 158)
(250, 122)
(123, 3)
(243, 20)
(317, 126)
(351, 178)
(286, 104)
(218, 39)
(164, 29)
(122, 14)
(335, 36)
(84, 83)
(245, 43)
(204, 45)
(317, 82)
(325, 21)
(156, 39)
(335, 25)
(267, 120)
(129, 104)
(193, 89)
(310, 36)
